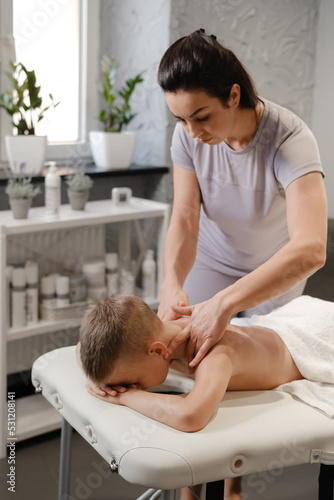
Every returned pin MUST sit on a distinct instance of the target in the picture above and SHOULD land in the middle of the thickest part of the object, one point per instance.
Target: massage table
(251, 432)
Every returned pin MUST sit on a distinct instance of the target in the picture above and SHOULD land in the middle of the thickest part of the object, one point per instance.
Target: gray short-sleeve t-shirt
(243, 218)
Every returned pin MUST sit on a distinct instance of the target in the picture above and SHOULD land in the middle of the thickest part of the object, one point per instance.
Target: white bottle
(19, 316)
(32, 292)
(112, 272)
(148, 275)
(127, 277)
(52, 185)
(9, 273)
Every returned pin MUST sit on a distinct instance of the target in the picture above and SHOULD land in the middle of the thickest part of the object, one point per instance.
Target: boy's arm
(192, 412)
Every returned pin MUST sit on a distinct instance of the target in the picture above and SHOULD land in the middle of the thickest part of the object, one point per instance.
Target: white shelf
(35, 416)
(96, 212)
(41, 327)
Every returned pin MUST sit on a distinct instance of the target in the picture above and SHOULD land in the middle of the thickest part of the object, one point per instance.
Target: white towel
(306, 326)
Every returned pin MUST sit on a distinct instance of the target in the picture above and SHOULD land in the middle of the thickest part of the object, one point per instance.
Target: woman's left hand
(206, 327)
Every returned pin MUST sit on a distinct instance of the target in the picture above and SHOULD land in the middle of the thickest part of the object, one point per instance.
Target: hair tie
(213, 37)
(201, 31)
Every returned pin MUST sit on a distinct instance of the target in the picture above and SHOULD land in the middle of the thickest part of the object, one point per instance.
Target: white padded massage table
(251, 431)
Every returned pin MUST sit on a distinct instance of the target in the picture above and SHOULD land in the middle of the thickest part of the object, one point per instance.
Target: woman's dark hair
(199, 62)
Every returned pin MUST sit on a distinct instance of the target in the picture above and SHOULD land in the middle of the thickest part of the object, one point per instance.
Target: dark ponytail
(199, 62)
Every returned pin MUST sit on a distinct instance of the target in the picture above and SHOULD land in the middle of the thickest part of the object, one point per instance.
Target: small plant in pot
(24, 105)
(21, 192)
(114, 148)
(78, 186)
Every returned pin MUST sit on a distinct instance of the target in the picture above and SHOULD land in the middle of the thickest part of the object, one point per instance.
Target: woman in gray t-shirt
(249, 221)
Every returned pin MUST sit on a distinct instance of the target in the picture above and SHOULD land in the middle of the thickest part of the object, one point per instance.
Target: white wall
(136, 33)
(323, 101)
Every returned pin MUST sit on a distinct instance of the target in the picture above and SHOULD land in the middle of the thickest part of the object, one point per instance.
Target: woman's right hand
(171, 297)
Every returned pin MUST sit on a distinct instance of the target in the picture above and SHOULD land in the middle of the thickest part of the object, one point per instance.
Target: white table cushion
(251, 431)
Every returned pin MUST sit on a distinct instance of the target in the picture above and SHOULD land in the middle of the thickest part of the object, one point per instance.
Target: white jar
(52, 185)
(63, 291)
(48, 290)
(112, 272)
(95, 273)
(148, 275)
(98, 294)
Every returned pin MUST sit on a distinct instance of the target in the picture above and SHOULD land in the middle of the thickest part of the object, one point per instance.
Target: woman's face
(203, 117)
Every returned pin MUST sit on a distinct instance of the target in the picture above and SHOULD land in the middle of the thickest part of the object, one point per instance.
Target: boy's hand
(112, 396)
(101, 390)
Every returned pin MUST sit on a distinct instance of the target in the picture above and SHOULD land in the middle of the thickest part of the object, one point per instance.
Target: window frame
(88, 92)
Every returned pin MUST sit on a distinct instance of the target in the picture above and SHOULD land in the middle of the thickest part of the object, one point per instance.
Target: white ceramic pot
(20, 207)
(78, 199)
(112, 150)
(26, 149)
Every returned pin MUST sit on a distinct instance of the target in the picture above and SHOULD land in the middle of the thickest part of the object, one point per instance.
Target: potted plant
(21, 192)
(114, 148)
(78, 186)
(24, 104)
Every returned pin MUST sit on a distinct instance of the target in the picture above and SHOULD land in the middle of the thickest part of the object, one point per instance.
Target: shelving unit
(32, 416)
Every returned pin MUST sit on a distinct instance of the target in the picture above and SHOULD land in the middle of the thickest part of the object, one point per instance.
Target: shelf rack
(33, 417)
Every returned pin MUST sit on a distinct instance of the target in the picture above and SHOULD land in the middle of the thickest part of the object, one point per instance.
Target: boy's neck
(170, 330)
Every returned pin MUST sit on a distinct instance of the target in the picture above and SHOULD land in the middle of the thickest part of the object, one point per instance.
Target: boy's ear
(157, 347)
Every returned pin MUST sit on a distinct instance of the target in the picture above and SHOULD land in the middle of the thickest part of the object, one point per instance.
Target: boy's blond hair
(119, 327)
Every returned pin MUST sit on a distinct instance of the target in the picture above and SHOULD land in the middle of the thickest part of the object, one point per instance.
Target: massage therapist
(249, 220)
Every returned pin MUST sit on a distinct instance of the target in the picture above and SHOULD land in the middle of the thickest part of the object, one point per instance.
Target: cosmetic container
(19, 316)
(31, 269)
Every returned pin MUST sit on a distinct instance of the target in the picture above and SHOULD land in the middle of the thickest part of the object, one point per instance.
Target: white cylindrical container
(19, 316)
(97, 293)
(63, 291)
(48, 290)
(112, 272)
(127, 277)
(95, 273)
(148, 275)
(32, 292)
(52, 185)
(77, 288)
(9, 272)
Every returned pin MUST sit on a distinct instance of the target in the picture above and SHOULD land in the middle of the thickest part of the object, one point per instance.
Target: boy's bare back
(260, 359)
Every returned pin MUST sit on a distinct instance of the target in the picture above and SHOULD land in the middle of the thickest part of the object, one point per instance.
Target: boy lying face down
(123, 343)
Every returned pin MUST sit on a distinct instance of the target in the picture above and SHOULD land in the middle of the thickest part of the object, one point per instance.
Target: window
(58, 39)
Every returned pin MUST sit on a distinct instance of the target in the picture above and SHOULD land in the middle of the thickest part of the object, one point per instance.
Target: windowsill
(95, 172)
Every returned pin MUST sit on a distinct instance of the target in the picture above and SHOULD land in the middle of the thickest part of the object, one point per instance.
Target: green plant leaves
(117, 112)
(23, 103)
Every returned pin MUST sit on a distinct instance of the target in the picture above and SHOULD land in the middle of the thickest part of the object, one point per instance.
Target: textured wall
(275, 39)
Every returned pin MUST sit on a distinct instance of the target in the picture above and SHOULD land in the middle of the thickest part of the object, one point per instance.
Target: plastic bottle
(52, 191)
(32, 292)
(19, 317)
(148, 275)
(127, 277)
(112, 272)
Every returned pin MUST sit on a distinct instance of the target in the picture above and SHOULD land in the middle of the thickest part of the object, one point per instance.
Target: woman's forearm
(302, 256)
(179, 252)
(292, 264)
